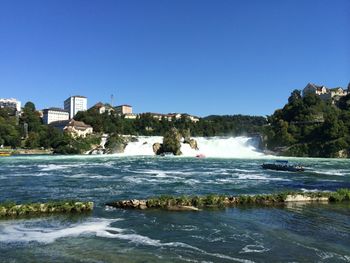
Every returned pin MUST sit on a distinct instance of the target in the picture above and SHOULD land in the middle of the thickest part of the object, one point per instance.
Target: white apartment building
(74, 104)
(10, 103)
(54, 114)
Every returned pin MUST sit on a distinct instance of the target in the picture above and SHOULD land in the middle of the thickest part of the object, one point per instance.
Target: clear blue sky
(197, 56)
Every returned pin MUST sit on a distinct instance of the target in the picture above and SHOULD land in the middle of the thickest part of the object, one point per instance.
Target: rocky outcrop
(342, 154)
(97, 150)
(186, 134)
(157, 147)
(187, 203)
(303, 198)
(193, 143)
(171, 143)
(116, 144)
(133, 139)
(134, 203)
(145, 204)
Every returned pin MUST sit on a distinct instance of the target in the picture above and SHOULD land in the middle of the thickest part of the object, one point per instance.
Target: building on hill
(123, 109)
(191, 117)
(73, 127)
(54, 114)
(173, 116)
(74, 104)
(131, 116)
(11, 104)
(325, 93)
(102, 108)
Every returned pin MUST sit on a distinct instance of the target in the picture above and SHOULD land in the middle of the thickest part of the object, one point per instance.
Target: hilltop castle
(325, 93)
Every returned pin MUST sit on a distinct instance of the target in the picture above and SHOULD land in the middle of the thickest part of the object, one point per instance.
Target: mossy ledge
(195, 203)
(10, 209)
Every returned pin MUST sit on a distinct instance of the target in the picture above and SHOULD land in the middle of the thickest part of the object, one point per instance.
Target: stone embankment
(196, 203)
(33, 209)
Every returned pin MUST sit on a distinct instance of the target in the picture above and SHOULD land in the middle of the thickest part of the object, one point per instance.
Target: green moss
(13, 209)
(197, 201)
(214, 200)
(340, 195)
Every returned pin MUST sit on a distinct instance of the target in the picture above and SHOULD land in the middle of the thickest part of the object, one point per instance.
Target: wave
(26, 231)
(254, 249)
(335, 172)
(29, 231)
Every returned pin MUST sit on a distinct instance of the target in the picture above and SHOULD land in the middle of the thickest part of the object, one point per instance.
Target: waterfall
(219, 147)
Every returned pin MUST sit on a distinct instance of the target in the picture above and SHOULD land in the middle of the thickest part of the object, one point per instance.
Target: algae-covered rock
(172, 142)
(3, 211)
(193, 144)
(116, 144)
(13, 210)
(195, 203)
(186, 134)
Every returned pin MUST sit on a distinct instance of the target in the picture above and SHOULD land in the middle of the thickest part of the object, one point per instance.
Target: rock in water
(157, 148)
(97, 150)
(186, 134)
(172, 142)
(193, 144)
(115, 144)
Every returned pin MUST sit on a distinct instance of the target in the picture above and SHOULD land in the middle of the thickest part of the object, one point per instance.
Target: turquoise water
(294, 233)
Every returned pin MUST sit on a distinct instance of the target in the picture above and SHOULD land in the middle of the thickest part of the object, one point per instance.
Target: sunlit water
(295, 233)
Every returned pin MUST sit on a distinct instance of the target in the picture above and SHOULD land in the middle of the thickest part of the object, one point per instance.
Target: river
(294, 233)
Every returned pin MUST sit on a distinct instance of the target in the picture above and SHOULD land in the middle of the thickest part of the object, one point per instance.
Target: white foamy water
(29, 231)
(232, 147)
(32, 231)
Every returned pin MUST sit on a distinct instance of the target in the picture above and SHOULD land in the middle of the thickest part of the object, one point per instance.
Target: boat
(283, 165)
(5, 154)
(201, 155)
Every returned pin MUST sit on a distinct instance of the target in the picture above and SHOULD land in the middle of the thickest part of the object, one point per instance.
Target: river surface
(294, 233)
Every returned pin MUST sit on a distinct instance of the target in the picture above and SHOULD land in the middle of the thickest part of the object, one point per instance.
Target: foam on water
(32, 231)
(254, 249)
(336, 172)
(29, 231)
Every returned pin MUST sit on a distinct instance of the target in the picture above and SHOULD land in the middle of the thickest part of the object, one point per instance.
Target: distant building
(73, 127)
(325, 93)
(123, 109)
(10, 104)
(131, 116)
(54, 114)
(74, 104)
(191, 117)
(173, 116)
(102, 108)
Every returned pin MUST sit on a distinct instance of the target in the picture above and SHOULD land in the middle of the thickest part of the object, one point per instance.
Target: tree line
(27, 131)
(305, 126)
